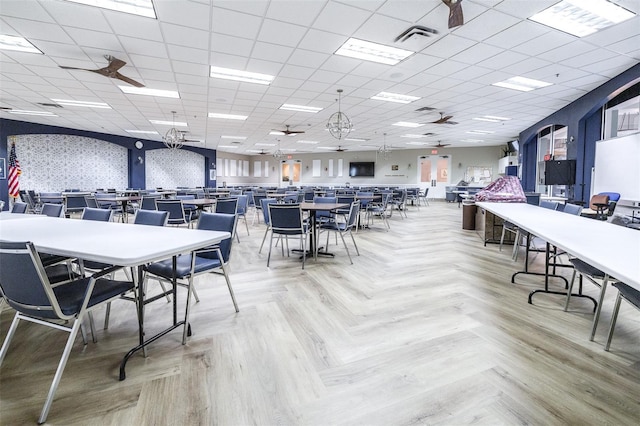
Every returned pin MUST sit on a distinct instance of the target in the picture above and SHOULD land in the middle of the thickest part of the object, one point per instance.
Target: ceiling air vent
(429, 134)
(415, 30)
(425, 109)
(45, 104)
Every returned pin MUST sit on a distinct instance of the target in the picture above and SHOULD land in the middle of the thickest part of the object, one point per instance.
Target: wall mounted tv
(362, 169)
(560, 172)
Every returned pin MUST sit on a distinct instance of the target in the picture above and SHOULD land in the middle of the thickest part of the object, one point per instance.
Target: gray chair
(344, 228)
(214, 259)
(26, 289)
(149, 202)
(100, 215)
(91, 202)
(243, 207)
(627, 293)
(52, 210)
(177, 214)
(19, 208)
(151, 217)
(286, 220)
(74, 203)
(228, 206)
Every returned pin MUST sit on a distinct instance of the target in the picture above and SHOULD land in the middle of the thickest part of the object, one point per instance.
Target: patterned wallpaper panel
(167, 168)
(58, 162)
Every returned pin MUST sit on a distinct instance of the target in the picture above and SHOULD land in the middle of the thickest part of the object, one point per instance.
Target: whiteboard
(617, 167)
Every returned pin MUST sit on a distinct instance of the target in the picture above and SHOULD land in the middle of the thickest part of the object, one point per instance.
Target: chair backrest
(52, 210)
(551, 205)
(346, 199)
(75, 203)
(354, 212)
(249, 195)
(151, 217)
(598, 199)
(100, 215)
(227, 205)
(326, 200)
(286, 219)
(265, 209)
(19, 208)
(51, 197)
(533, 198)
(24, 282)
(364, 203)
(218, 222)
(572, 209)
(386, 197)
(613, 196)
(99, 197)
(175, 210)
(148, 202)
(91, 202)
(309, 195)
(257, 199)
(243, 204)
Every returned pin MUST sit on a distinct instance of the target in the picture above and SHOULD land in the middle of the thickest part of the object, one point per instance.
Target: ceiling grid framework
(452, 71)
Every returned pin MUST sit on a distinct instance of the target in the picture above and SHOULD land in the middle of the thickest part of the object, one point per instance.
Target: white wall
(171, 168)
(406, 159)
(53, 163)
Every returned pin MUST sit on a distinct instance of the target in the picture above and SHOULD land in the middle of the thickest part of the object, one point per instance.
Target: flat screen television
(560, 172)
(362, 169)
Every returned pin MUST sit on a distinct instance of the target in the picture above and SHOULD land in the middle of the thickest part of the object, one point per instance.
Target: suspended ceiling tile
(272, 52)
(519, 33)
(186, 54)
(490, 23)
(477, 54)
(541, 44)
(144, 47)
(34, 30)
(189, 14)
(101, 40)
(295, 12)
(448, 46)
(184, 36)
(341, 19)
(281, 33)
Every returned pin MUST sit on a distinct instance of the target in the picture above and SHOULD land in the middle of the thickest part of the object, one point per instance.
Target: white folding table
(121, 244)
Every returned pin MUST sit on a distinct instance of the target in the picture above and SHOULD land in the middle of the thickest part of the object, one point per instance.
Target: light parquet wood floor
(424, 328)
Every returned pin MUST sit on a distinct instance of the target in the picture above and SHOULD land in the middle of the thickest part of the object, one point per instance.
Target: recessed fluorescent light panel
(480, 132)
(142, 132)
(582, 17)
(227, 146)
(227, 116)
(264, 144)
(134, 7)
(395, 97)
(169, 123)
(407, 124)
(356, 140)
(416, 143)
(374, 52)
(309, 142)
(20, 44)
(237, 75)
(241, 138)
(522, 83)
(25, 112)
(301, 108)
(150, 92)
(325, 147)
(276, 133)
(69, 102)
(413, 136)
(472, 140)
(491, 118)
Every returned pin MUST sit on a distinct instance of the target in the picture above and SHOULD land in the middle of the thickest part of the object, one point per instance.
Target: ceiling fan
(263, 152)
(340, 149)
(288, 132)
(441, 145)
(456, 17)
(110, 70)
(444, 119)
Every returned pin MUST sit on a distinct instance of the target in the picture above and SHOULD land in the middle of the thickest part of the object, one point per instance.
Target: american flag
(14, 173)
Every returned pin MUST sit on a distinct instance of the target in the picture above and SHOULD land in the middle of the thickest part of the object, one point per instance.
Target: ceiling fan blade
(114, 63)
(128, 80)
(74, 68)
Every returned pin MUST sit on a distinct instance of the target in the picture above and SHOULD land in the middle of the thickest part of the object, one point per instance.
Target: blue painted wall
(583, 120)
(136, 169)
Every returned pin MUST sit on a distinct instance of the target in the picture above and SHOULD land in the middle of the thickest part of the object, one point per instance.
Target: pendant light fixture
(339, 125)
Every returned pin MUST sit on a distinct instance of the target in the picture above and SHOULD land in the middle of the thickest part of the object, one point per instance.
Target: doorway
(434, 173)
(290, 172)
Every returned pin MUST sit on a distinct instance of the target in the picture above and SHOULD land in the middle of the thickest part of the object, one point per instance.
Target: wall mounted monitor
(560, 172)
(362, 169)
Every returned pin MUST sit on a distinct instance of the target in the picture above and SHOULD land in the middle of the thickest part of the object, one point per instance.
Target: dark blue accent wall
(583, 120)
(136, 168)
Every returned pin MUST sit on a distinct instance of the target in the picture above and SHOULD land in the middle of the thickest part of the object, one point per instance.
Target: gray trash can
(469, 217)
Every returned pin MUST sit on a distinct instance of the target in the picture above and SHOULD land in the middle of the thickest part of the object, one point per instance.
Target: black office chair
(214, 259)
(26, 289)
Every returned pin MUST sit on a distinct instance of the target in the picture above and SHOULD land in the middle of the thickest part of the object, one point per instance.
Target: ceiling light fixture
(169, 123)
(233, 137)
(395, 97)
(237, 75)
(300, 108)
(417, 143)
(480, 132)
(69, 102)
(132, 90)
(407, 124)
(374, 52)
(278, 152)
(522, 83)
(173, 139)
(472, 140)
(308, 142)
(227, 116)
(264, 144)
(134, 7)
(142, 132)
(339, 125)
(228, 146)
(355, 139)
(582, 17)
(26, 112)
(385, 150)
(20, 44)
(413, 136)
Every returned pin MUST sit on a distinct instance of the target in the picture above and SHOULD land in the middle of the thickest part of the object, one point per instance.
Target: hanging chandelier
(385, 150)
(278, 152)
(339, 124)
(173, 139)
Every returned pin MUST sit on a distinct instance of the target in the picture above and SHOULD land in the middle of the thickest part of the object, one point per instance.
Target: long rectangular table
(122, 244)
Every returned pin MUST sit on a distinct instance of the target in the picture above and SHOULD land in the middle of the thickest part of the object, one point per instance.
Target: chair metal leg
(596, 316)
(61, 365)
(92, 326)
(190, 288)
(345, 247)
(106, 316)
(354, 243)
(226, 277)
(10, 333)
(614, 318)
(270, 245)
(504, 230)
(266, 231)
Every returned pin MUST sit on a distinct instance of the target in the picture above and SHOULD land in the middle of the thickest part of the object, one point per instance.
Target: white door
(434, 174)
